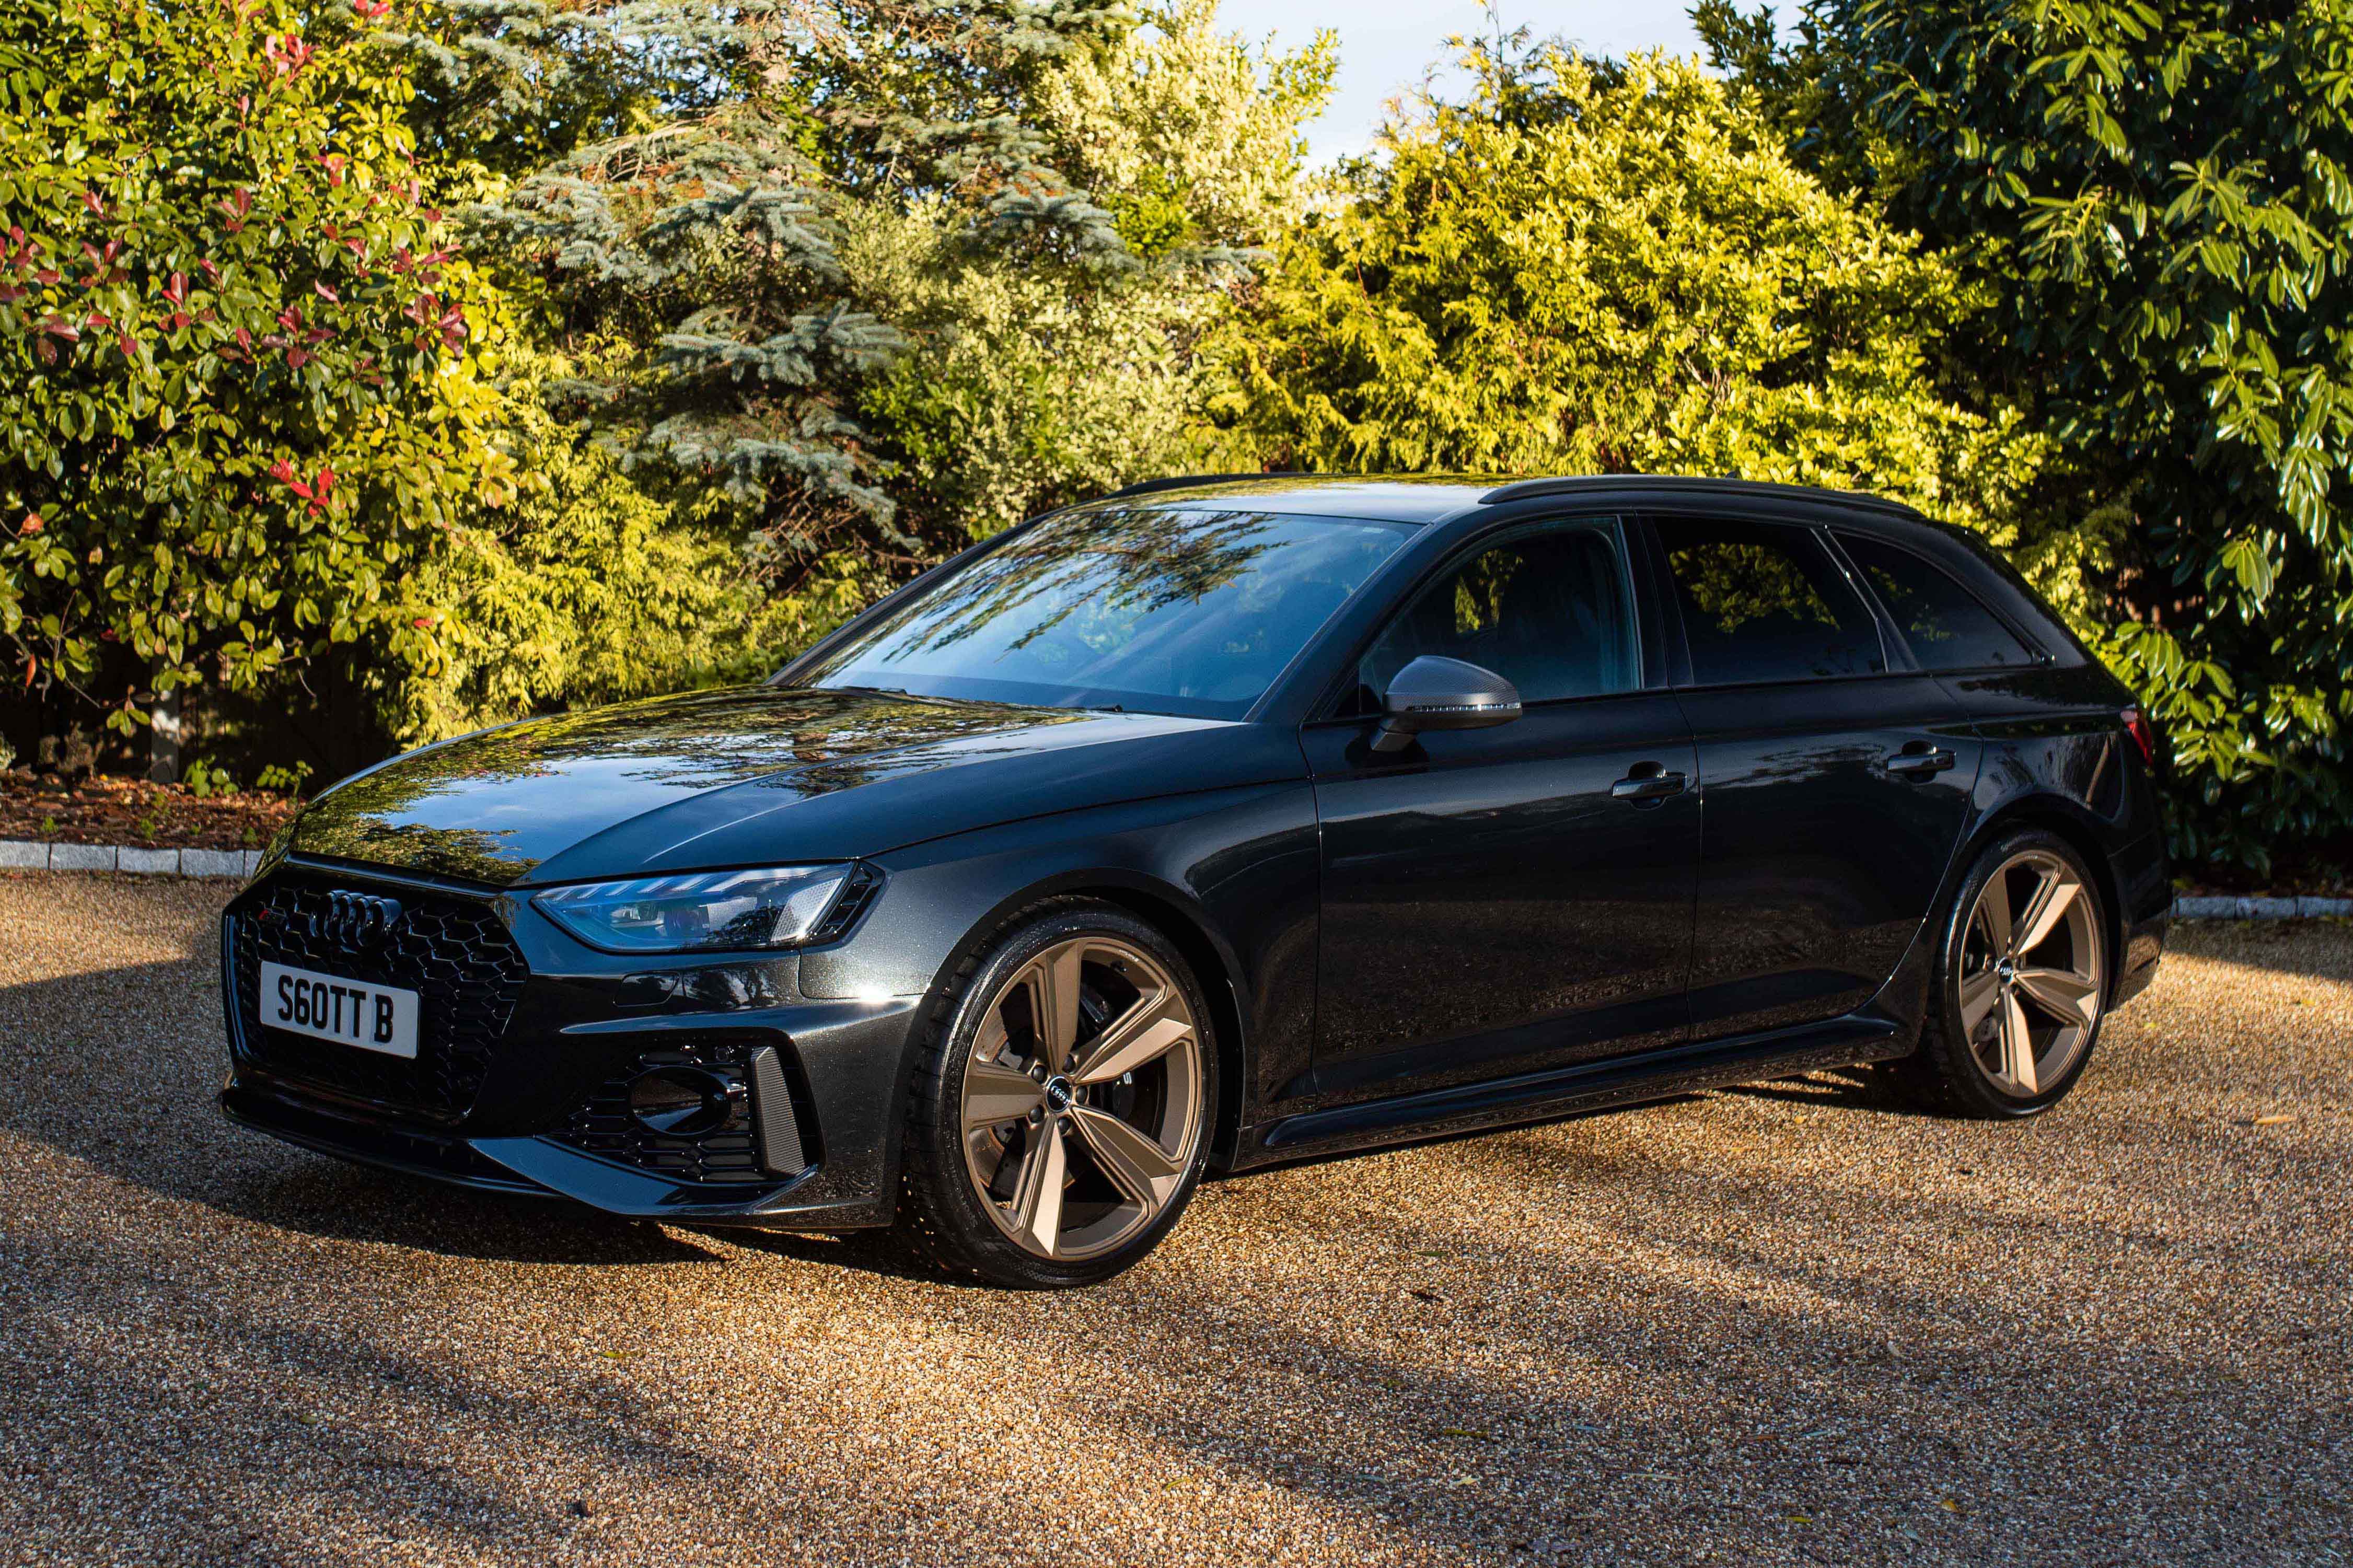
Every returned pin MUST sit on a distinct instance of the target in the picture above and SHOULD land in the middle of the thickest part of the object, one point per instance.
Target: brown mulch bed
(2322, 870)
(100, 810)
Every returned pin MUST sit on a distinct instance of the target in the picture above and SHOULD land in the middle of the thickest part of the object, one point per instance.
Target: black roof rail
(1568, 484)
(1186, 481)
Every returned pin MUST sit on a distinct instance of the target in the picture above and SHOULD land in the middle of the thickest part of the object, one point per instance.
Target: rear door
(1519, 897)
(1833, 778)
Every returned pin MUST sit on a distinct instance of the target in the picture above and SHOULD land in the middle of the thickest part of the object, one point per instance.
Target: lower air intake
(757, 1140)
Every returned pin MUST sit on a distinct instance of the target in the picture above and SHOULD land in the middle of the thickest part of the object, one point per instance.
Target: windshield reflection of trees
(475, 853)
(1116, 567)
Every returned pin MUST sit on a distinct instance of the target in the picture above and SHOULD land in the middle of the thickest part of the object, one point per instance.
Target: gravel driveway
(1777, 1326)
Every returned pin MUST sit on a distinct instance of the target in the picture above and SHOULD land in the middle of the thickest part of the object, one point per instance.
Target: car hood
(758, 774)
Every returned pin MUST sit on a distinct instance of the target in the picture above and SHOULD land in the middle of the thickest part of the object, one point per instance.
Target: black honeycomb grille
(454, 952)
(728, 1153)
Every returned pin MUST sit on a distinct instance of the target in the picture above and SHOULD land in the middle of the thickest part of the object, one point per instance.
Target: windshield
(1153, 611)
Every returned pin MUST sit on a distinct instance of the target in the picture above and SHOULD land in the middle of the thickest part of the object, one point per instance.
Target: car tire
(2021, 987)
(1062, 1101)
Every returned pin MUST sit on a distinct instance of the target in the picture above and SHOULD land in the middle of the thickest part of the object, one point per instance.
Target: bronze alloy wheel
(1081, 1098)
(2021, 987)
(1063, 1102)
(2031, 973)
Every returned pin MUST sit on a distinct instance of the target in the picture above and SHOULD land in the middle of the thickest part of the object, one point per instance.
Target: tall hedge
(2156, 195)
(1598, 267)
(241, 388)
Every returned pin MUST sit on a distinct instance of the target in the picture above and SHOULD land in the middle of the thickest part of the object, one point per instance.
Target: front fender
(1229, 874)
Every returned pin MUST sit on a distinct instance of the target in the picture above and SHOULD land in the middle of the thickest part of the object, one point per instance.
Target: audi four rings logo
(356, 919)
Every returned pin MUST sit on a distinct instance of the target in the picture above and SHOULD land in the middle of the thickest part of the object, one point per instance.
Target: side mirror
(1433, 693)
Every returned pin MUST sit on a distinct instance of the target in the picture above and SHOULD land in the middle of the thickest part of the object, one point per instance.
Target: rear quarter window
(1945, 625)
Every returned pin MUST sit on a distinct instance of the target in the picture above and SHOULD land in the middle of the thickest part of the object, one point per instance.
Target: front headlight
(778, 907)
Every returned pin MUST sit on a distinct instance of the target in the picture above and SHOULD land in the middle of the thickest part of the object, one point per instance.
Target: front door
(1833, 789)
(1501, 900)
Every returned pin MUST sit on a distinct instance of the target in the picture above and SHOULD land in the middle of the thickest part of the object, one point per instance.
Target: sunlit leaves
(1593, 268)
(239, 357)
(2157, 194)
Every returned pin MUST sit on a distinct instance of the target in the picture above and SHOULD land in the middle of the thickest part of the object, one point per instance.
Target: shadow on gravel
(1719, 1341)
(1842, 1090)
(1580, 1345)
(345, 1435)
(1636, 1405)
(327, 1198)
(873, 1251)
(101, 1067)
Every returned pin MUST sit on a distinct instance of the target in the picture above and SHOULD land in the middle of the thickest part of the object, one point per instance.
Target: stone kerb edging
(2257, 909)
(32, 855)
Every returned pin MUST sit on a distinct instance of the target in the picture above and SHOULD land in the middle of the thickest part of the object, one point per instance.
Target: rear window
(1764, 601)
(1942, 622)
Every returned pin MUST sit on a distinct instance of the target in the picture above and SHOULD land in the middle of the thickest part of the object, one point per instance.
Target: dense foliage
(743, 313)
(1025, 386)
(452, 360)
(581, 590)
(842, 282)
(2157, 196)
(1598, 267)
(241, 388)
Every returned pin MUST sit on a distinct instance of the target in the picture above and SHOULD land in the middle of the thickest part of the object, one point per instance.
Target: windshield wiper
(904, 695)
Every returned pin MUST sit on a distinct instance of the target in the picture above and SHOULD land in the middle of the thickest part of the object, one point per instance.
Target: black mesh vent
(453, 951)
(848, 905)
(728, 1153)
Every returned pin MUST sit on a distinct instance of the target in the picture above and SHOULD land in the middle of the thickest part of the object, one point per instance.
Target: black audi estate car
(1217, 823)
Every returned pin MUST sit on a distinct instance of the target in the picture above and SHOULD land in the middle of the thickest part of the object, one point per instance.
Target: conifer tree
(689, 234)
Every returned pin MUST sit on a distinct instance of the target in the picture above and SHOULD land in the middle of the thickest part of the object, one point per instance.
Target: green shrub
(207, 780)
(279, 779)
(2157, 198)
(240, 389)
(586, 589)
(1591, 267)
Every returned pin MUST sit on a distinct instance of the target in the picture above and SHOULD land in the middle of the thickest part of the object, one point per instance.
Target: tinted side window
(1548, 611)
(1764, 601)
(1942, 621)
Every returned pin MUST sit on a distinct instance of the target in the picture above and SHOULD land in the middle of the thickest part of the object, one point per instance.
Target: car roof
(1427, 498)
(1391, 497)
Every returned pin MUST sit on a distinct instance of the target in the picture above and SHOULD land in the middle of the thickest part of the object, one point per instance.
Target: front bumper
(536, 1113)
(535, 1167)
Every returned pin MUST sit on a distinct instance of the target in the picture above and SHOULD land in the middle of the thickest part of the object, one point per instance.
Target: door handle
(1649, 781)
(1919, 764)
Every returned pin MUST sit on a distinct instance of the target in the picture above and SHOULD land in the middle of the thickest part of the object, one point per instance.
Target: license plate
(329, 1007)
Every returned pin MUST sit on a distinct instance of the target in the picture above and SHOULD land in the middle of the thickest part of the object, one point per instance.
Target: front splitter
(540, 1167)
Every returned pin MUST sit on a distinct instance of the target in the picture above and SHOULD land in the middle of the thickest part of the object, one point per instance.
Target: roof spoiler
(1530, 489)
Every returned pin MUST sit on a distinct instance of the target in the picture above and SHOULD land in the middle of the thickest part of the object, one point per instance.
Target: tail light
(2143, 732)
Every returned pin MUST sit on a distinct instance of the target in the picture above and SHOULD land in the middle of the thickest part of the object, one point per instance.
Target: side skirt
(1587, 1085)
